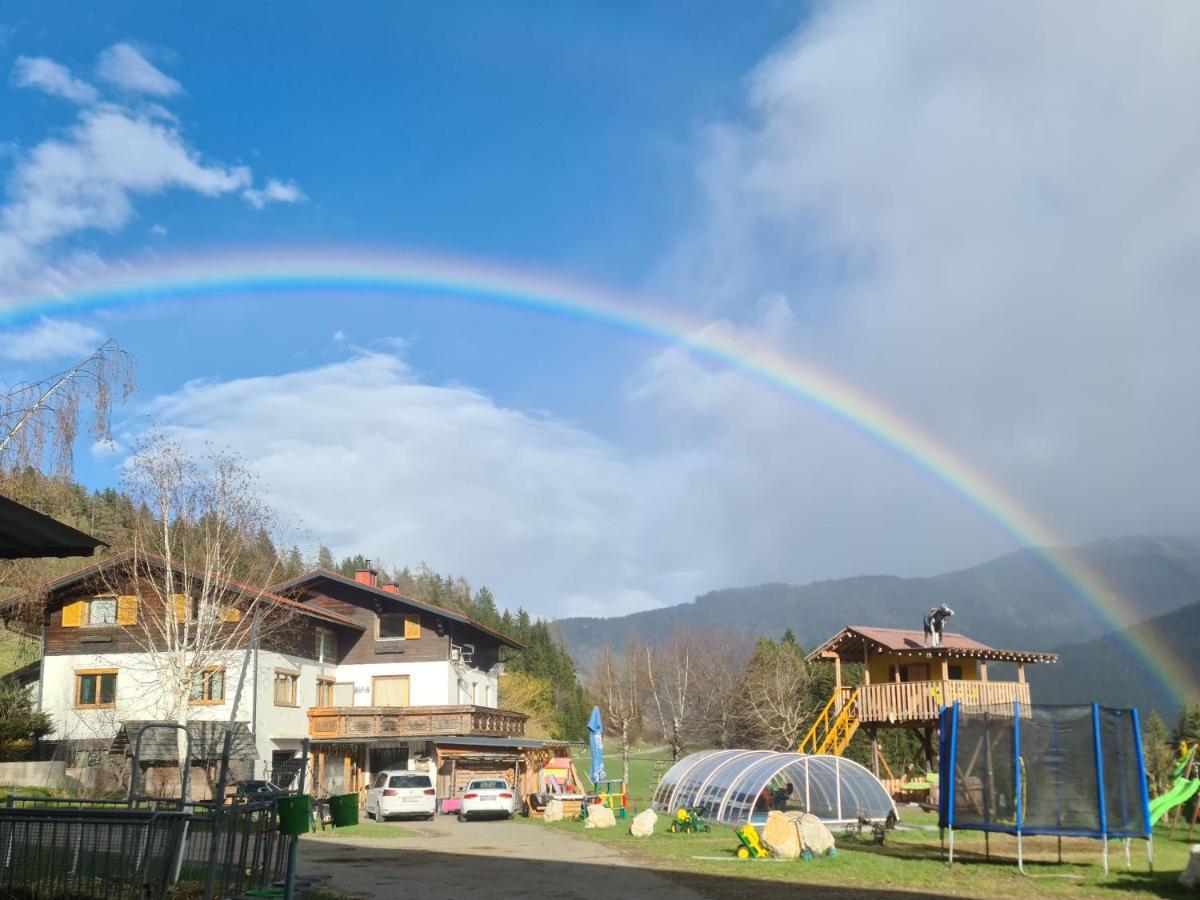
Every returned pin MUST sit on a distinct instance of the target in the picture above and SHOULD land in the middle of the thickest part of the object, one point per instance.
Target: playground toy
(689, 820)
(1045, 770)
(610, 793)
(751, 847)
(1186, 785)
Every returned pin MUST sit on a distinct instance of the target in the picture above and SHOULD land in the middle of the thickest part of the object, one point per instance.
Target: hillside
(1012, 601)
(1105, 668)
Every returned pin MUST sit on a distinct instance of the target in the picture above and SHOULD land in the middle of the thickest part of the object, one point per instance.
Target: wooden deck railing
(351, 722)
(921, 701)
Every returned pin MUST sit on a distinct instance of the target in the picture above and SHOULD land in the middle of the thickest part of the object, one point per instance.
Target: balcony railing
(921, 701)
(353, 722)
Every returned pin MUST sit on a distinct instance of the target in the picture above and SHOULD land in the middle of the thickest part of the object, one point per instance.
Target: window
(325, 692)
(326, 645)
(102, 610)
(398, 626)
(208, 687)
(409, 781)
(343, 693)
(389, 690)
(285, 687)
(955, 673)
(380, 780)
(96, 688)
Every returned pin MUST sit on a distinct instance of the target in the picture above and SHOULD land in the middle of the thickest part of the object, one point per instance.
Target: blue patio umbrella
(596, 744)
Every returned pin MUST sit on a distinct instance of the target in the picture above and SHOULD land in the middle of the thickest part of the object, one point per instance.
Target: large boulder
(815, 837)
(553, 811)
(599, 817)
(1190, 877)
(789, 835)
(781, 836)
(643, 823)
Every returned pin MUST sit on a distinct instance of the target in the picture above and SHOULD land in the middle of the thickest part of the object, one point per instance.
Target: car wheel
(462, 817)
(429, 818)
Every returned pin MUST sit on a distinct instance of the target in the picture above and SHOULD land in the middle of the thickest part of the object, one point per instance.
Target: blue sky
(931, 205)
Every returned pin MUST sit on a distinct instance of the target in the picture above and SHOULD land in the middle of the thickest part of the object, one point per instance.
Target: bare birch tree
(721, 699)
(198, 568)
(617, 681)
(40, 420)
(673, 681)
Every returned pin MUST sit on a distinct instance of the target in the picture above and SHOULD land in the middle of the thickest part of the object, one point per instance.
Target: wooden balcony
(921, 701)
(355, 722)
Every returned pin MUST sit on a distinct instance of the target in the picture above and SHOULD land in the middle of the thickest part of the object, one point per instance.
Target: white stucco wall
(427, 681)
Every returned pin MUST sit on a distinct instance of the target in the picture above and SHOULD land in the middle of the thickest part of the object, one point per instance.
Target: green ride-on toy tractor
(689, 821)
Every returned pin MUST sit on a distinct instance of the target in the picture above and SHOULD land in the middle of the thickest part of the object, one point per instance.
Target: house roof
(28, 534)
(124, 557)
(160, 744)
(852, 641)
(308, 578)
(489, 743)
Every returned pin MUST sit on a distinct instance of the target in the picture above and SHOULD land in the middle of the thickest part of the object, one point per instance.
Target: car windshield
(409, 781)
(489, 784)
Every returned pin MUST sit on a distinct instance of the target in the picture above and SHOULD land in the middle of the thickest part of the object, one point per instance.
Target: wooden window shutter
(73, 614)
(230, 614)
(127, 609)
(181, 607)
(412, 626)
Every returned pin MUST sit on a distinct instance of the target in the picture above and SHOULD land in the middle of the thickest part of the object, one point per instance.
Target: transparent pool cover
(740, 786)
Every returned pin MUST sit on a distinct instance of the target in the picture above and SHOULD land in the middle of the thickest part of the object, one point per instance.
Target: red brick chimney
(391, 587)
(366, 576)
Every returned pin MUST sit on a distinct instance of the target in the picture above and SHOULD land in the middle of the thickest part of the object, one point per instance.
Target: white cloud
(339, 337)
(988, 216)
(50, 339)
(124, 66)
(274, 192)
(372, 461)
(89, 178)
(53, 78)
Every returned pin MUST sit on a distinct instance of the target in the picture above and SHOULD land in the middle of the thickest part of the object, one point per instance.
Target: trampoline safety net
(1051, 770)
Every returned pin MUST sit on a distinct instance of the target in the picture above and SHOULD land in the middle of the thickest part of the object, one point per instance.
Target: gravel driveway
(484, 859)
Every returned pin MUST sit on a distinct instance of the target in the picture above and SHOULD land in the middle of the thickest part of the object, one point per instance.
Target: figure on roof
(935, 624)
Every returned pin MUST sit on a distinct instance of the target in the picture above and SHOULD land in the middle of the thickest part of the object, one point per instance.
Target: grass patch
(642, 764)
(910, 860)
(15, 651)
(366, 829)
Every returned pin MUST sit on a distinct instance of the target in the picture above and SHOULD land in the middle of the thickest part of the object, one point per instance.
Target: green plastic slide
(1185, 763)
(1181, 792)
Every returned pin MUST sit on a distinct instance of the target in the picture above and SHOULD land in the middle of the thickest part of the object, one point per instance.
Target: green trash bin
(295, 814)
(343, 810)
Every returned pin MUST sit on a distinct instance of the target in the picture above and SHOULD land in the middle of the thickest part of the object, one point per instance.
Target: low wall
(33, 774)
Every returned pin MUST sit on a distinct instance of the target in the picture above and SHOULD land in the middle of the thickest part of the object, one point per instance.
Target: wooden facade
(373, 722)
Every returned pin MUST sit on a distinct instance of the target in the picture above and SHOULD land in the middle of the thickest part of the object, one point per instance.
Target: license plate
(410, 799)
(487, 796)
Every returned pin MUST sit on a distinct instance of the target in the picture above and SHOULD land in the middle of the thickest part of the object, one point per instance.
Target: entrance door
(389, 690)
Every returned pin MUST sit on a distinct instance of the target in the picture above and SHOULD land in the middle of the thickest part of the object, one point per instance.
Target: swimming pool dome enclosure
(736, 787)
(1074, 771)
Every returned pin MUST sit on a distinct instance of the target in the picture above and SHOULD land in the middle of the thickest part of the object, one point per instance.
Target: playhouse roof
(854, 640)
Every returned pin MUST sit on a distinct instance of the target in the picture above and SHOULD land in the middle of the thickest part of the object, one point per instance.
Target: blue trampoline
(1071, 771)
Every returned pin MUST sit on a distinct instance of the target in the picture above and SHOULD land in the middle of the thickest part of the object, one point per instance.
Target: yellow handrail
(845, 722)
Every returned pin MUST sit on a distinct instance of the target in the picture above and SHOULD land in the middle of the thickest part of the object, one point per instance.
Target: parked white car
(399, 792)
(487, 797)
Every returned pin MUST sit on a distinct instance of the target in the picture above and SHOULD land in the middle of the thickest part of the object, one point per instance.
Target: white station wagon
(399, 792)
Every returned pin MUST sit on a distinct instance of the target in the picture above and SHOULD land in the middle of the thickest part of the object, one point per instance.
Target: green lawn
(15, 651)
(910, 860)
(641, 769)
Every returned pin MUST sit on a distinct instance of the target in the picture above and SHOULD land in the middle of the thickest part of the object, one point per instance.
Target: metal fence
(126, 849)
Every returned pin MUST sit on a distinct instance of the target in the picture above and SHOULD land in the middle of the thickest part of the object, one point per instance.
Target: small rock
(553, 811)
(643, 823)
(1189, 878)
(599, 817)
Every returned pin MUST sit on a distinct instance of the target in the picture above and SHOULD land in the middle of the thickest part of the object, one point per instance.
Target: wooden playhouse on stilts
(907, 679)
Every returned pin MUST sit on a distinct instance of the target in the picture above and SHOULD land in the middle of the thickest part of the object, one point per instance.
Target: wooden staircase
(835, 725)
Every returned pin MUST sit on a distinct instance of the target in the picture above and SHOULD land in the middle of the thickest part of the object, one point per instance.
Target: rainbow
(274, 272)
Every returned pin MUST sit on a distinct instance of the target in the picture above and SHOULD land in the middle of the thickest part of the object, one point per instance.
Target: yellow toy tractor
(751, 847)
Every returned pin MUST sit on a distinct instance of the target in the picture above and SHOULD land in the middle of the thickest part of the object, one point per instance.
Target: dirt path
(481, 859)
